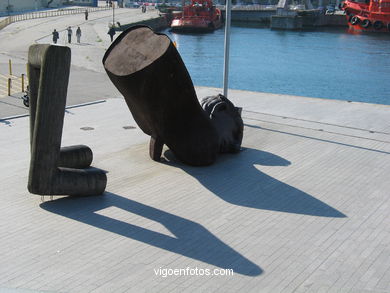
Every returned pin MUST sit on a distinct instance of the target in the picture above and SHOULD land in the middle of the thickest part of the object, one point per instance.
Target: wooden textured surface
(161, 95)
(136, 50)
(50, 172)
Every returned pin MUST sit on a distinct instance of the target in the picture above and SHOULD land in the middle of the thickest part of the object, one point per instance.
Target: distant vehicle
(297, 7)
(330, 9)
(132, 4)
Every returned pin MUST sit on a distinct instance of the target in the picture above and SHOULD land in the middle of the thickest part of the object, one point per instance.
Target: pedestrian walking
(78, 34)
(70, 32)
(86, 14)
(111, 32)
(56, 36)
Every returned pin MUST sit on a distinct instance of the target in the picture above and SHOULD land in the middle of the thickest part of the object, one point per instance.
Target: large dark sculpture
(52, 168)
(149, 72)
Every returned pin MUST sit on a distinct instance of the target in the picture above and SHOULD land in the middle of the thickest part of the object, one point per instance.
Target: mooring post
(22, 82)
(10, 67)
(9, 86)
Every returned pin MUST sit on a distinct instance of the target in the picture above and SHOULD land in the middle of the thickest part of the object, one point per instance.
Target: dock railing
(12, 84)
(49, 13)
(255, 7)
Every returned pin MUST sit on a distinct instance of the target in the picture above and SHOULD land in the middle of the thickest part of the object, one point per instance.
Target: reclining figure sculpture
(55, 170)
(149, 72)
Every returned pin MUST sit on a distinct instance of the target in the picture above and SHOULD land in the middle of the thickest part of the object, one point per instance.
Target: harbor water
(330, 63)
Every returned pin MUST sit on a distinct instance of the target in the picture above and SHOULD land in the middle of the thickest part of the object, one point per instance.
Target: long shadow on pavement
(191, 239)
(235, 179)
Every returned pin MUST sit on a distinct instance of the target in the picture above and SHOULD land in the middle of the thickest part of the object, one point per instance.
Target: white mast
(227, 47)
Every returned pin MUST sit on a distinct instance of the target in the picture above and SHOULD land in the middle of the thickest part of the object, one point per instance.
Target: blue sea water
(330, 63)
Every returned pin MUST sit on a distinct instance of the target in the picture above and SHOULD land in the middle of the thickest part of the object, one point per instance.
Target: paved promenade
(304, 207)
(86, 84)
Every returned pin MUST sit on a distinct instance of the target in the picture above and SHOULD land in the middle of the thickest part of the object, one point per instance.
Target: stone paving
(304, 207)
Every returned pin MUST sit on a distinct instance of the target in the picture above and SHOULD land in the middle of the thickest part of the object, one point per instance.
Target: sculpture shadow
(191, 239)
(235, 179)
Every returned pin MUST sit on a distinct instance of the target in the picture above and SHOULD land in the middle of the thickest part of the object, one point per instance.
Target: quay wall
(158, 23)
(309, 18)
(260, 16)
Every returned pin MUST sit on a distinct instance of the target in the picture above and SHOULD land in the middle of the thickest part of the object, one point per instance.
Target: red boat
(198, 16)
(368, 15)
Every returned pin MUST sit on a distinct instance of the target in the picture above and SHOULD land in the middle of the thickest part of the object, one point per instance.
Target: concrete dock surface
(304, 207)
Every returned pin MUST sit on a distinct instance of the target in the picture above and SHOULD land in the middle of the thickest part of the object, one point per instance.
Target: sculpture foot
(155, 148)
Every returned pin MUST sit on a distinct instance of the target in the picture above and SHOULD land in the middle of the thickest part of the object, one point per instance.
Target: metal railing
(255, 7)
(11, 84)
(3, 23)
(50, 13)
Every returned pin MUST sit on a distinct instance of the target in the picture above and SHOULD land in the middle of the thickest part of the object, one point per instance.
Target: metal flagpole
(228, 8)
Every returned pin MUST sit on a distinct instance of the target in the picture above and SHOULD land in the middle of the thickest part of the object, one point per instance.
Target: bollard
(9, 66)
(22, 82)
(9, 86)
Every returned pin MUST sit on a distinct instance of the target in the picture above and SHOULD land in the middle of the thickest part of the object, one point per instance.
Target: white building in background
(20, 5)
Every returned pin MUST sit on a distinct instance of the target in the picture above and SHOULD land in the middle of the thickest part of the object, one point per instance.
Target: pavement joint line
(321, 130)
(69, 107)
(318, 122)
(318, 139)
(10, 104)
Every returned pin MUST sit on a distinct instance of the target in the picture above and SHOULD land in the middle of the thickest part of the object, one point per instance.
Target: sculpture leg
(48, 75)
(76, 156)
(155, 148)
(149, 72)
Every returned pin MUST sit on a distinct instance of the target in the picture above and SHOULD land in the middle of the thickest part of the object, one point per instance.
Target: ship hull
(368, 16)
(188, 25)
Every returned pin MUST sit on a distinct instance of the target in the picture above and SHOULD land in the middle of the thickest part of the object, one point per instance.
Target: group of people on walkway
(109, 3)
(69, 31)
(56, 35)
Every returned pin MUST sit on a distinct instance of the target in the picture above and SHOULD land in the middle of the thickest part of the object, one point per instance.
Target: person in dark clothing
(70, 32)
(56, 36)
(78, 34)
(111, 32)
(86, 14)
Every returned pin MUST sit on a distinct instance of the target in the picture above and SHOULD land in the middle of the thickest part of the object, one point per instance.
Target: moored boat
(198, 16)
(368, 15)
